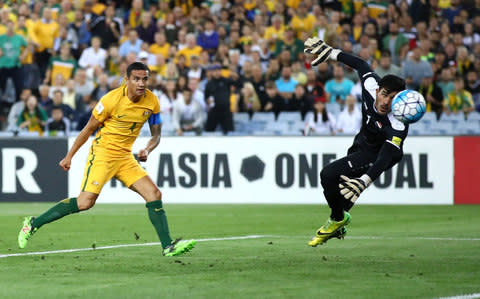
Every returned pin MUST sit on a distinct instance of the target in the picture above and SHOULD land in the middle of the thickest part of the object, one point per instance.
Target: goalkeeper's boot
(179, 247)
(26, 232)
(331, 229)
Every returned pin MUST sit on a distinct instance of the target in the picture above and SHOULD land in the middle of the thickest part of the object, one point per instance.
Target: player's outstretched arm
(86, 132)
(323, 52)
(156, 131)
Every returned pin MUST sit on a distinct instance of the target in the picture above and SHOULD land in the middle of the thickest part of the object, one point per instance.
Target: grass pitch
(389, 252)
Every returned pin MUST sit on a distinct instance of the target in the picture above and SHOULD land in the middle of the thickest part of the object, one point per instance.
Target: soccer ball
(408, 106)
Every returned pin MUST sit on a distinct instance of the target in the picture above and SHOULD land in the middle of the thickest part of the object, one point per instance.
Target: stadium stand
(251, 42)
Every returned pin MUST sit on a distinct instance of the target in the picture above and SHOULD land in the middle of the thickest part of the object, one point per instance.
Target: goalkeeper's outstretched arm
(324, 52)
(355, 62)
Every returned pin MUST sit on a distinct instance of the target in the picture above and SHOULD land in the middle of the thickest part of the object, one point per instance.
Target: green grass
(396, 264)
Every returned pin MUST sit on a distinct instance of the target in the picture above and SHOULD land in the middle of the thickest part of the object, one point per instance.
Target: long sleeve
(355, 62)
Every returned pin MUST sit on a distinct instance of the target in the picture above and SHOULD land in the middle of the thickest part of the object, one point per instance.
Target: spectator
(217, 95)
(337, 89)
(133, 44)
(286, 85)
(433, 95)
(349, 121)
(324, 72)
(396, 43)
(93, 57)
(249, 101)
(66, 35)
(445, 81)
(274, 32)
(190, 50)
(133, 15)
(58, 102)
(44, 32)
(71, 98)
(321, 122)
(146, 30)
(459, 99)
(107, 27)
(195, 71)
(198, 95)
(11, 45)
(80, 28)
(58, 84)
(272, 99)
(473, 86)
(298, 74)
(88, 14)
(470, 38)
(187, 114)
(386, 67)
(425, 50)
(102, 87)
(63, 64)
(84, 116)
(161, 46)
(17, 109)
(290, 43)
(302, 21)
(169, 95)
(83, 86)
(33, 117)
(415, 69)
(302, 101)
(315, 90)
(464, 60)
(258, 84)
(209, 39)
(247, 52)
(45, 101)
(57, 125)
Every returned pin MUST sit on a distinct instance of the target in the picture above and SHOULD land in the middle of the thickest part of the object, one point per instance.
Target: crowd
(212, 59)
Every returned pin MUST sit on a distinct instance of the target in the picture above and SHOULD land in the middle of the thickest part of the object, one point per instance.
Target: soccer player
(376, 148)
(118, 116)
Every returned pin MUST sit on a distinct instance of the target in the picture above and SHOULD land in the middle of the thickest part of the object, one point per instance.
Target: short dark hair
(386, 53)
(137, 66)
(392, 83)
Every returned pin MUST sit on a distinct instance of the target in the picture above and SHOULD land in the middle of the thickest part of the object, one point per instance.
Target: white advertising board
(276, 170)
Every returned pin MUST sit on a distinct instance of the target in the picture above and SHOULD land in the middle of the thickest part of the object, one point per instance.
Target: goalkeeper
(376, 148)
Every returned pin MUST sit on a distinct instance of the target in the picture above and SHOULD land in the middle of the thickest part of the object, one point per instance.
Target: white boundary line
(243, 238)
(127, 245)
(468, 296)
(412, 238)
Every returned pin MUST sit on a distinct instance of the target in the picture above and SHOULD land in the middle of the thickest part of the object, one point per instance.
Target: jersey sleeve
(396, 133)
(103, 109)
(368, 78)
(391, 151)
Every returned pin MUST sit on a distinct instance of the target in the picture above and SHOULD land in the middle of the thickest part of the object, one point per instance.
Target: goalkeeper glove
(351, 189)
(318, 47)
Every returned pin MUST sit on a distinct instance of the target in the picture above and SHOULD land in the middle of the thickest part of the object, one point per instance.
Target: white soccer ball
(408, 106)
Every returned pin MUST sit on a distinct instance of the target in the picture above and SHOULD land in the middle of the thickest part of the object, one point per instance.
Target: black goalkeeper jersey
(381, 134)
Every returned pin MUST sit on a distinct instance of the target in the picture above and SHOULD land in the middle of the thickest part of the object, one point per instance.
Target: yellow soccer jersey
(121, 121)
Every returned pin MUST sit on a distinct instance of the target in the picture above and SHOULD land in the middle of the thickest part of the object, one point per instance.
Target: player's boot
(179, 247)
(331, 229)
(26, 232)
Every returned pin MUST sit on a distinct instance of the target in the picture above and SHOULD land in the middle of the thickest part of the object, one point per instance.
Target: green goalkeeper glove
(316, 46)
(351, 189)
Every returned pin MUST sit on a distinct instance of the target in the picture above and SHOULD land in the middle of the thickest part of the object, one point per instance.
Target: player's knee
(328, 176)
(157, 194)
(85, 204)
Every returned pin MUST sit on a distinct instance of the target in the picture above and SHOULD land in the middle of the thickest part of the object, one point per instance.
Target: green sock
(63, 208)
(159, 220)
